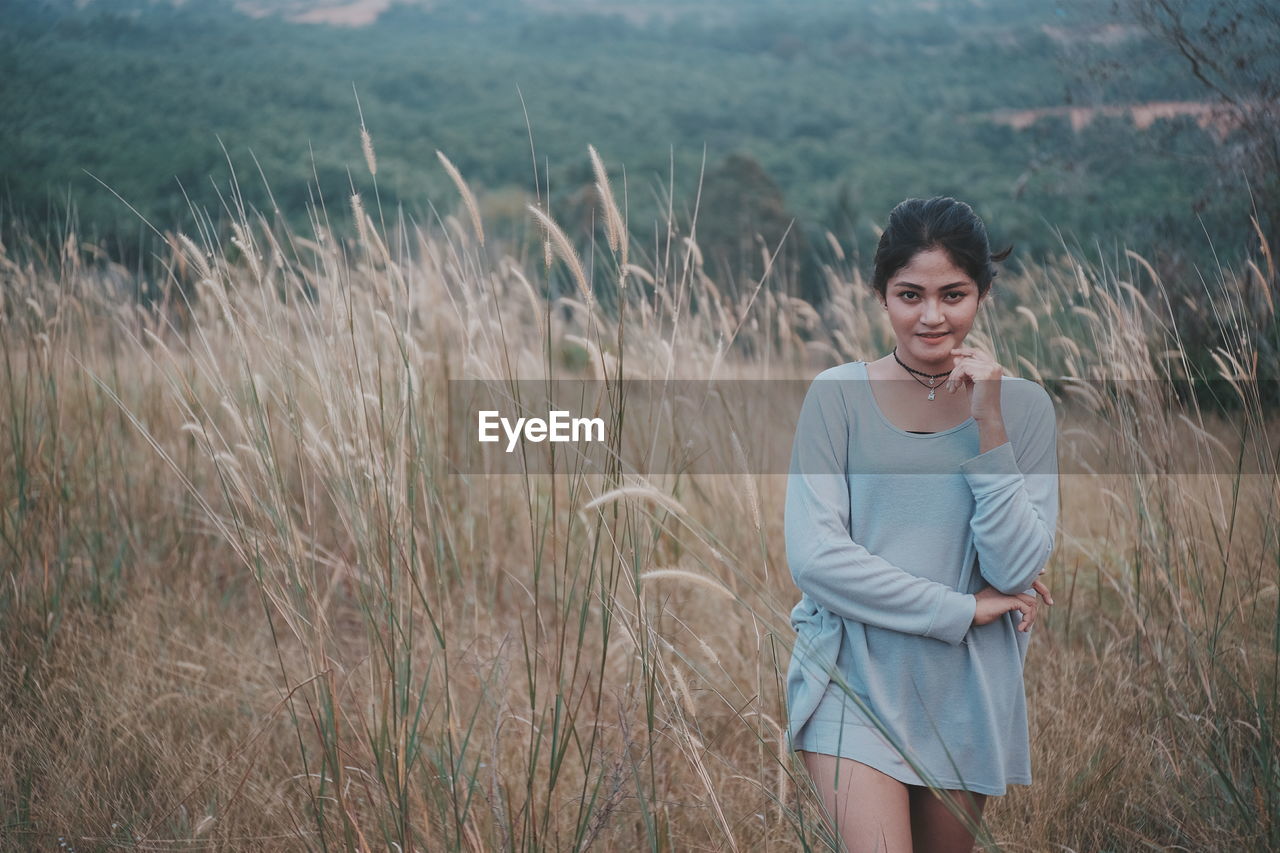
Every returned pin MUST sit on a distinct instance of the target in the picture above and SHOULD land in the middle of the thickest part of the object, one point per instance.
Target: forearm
(843, 577)
(1016, 500)
(991, 432)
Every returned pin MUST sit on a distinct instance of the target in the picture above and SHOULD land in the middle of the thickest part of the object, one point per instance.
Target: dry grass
(248, 605)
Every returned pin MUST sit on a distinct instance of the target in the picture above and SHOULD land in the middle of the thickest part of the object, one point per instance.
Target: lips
(934, 337)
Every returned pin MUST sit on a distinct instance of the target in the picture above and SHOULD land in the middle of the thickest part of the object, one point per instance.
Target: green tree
(742, 215)
(1232, 48)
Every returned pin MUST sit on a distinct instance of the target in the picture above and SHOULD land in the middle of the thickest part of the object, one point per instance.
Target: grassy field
(248, 604)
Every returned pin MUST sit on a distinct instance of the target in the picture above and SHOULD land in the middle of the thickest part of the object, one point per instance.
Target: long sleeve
(826, 564)
(1016, 514)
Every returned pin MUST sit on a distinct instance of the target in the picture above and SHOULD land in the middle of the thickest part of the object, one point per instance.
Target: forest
(797, 122)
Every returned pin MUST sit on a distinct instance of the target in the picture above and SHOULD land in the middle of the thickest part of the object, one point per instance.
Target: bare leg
(871, 811)
(934, 828)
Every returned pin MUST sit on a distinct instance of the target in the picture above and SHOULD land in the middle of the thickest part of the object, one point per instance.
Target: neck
(931, 368)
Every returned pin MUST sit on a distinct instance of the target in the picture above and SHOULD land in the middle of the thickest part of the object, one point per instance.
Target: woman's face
(930, 295)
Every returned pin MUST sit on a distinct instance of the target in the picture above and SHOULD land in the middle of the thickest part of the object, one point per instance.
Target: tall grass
(249, 603)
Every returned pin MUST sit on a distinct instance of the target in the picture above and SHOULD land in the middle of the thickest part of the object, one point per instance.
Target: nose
(932, 312)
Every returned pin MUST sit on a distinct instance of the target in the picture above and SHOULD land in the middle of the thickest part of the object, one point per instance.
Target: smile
(934, 337)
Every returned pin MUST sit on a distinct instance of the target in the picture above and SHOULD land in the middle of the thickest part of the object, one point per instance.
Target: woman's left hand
(975, 369)
(1043, 590)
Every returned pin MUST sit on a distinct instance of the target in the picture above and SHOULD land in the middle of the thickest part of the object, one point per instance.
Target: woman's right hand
(992, 604)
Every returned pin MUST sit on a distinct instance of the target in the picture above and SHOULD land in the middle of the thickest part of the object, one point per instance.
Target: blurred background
(1084, 126)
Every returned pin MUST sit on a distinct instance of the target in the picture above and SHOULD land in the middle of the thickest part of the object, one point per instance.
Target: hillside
(844, 108)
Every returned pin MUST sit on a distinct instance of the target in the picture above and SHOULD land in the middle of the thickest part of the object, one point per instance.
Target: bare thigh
(934, 829)
(870, 810)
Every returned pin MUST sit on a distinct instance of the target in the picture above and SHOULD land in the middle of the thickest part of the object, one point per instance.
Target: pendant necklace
(916, 373)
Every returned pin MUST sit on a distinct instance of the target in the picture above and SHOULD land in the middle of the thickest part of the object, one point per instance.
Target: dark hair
(942, 222)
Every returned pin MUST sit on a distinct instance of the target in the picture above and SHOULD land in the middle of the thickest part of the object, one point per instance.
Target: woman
(919, 513)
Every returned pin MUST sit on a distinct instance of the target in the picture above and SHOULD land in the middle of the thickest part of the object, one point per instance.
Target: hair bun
(942, 222)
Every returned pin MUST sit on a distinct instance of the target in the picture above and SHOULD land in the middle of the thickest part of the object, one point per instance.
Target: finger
(1028, 615)
(1027, 605)
(1039, 587)
(1027, 611)
(969, 352)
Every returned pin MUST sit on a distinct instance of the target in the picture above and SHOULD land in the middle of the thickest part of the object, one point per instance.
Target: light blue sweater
(888, 535)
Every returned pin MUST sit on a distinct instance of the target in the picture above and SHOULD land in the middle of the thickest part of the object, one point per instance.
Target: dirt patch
(1208, 116)
(357, 14)
(1104, 34)
(362, 13)
(707, 12)
(338, 13)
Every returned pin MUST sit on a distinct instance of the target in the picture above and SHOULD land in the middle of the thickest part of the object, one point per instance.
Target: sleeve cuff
(991, 471)
(953, 617)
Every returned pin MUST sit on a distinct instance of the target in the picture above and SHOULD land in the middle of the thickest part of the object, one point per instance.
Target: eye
(911, 293)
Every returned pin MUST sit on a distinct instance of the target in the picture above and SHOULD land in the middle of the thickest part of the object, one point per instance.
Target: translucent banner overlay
(572, 426)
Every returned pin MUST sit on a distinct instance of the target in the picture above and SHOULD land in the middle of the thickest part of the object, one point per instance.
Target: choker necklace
(915, 372)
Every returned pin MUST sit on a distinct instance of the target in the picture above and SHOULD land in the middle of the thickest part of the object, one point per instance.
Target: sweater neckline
(871, 398)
